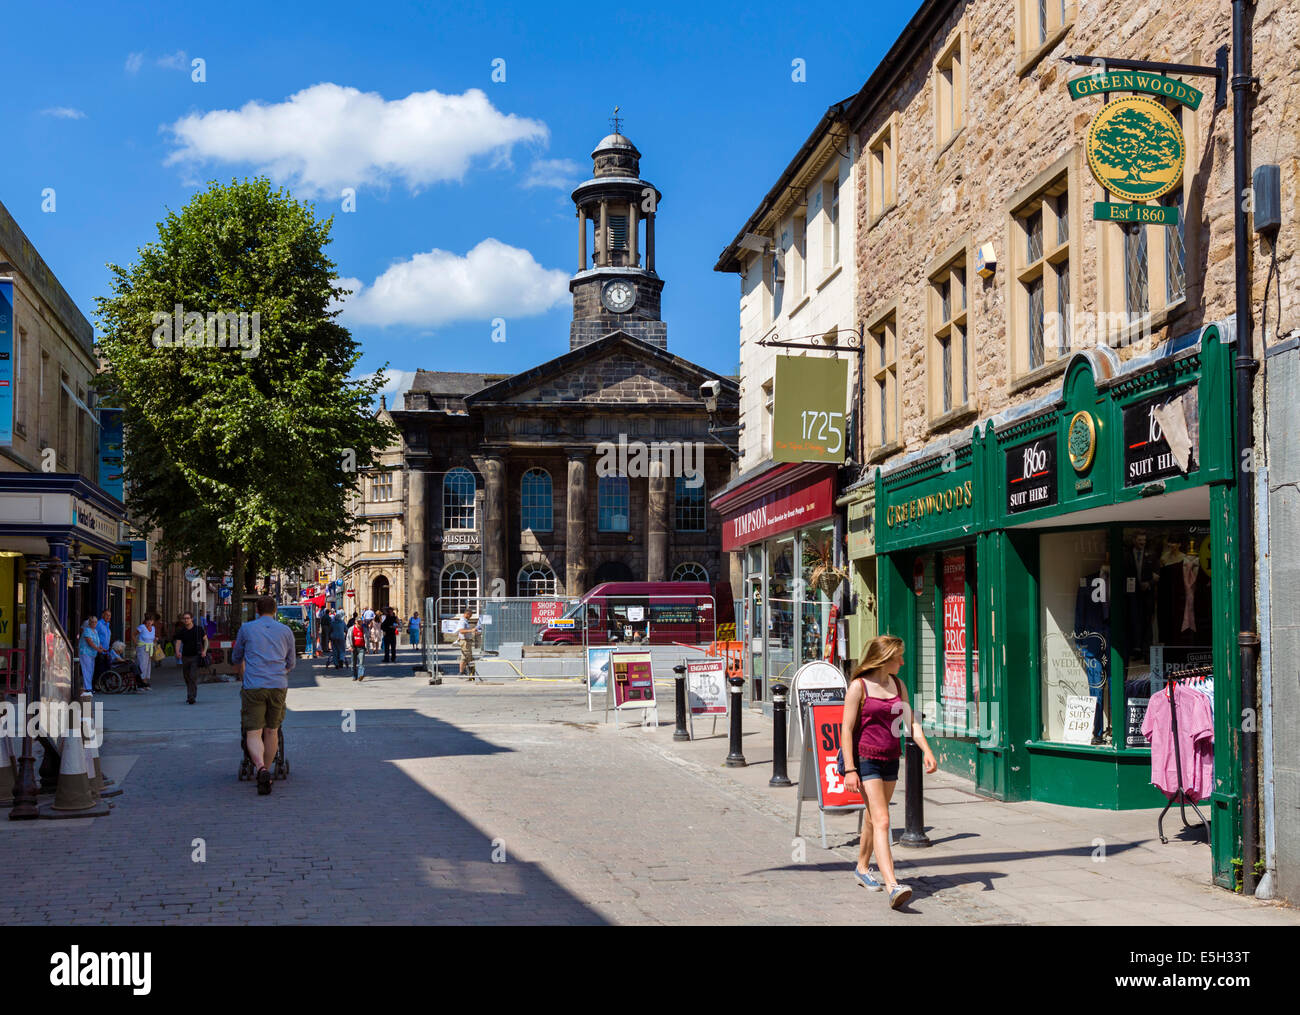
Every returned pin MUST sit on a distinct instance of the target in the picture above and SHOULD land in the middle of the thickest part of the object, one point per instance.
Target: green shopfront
(1050, 567)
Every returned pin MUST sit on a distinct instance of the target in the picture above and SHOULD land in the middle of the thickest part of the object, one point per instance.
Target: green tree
(1137, 143)
(244, 435)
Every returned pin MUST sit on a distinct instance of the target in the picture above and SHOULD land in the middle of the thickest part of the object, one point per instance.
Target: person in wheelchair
(129, 669)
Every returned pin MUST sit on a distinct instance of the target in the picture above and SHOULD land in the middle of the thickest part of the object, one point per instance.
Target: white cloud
(174, 61)
(396, 384)
(64, 113)
(563, 174)
(441, 287)
(328, 137)
(133, 63)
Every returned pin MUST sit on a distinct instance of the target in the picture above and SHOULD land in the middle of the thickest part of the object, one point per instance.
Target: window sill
(1149, 324)
(943, 148)
(1032, 58)
(884, 213)
(1111, 751)
(799, 306)
(883, 452)
(1038, 375)
(953, 417)
(830, 277)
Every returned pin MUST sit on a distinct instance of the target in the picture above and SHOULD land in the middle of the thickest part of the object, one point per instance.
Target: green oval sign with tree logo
(1136, 149)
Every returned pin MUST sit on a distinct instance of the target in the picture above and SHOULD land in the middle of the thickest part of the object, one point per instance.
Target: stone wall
(1017, 126)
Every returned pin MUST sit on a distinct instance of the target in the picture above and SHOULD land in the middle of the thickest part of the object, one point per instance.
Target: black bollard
(736, 758)
(681, 733)
(779, 776)
(914, 808)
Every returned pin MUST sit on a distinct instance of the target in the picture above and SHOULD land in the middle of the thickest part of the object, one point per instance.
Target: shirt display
(1195, 741)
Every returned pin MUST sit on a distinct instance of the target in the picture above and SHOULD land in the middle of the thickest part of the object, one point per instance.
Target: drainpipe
(1246, 366)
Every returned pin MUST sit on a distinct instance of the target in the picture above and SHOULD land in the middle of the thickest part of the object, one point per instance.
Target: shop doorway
(379, 593)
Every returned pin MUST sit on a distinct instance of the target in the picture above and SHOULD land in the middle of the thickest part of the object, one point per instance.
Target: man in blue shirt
(265, 647)
(102, 629)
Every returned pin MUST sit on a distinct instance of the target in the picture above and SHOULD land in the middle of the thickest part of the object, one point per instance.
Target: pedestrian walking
(146, 637)
(357, 637)
(265, 648)
(191, 647)
(466, 628)
(373, 633)
(413, 630)
(338, 634)
(88, 650)
(389, 628)
(876, 712)
(323, 631)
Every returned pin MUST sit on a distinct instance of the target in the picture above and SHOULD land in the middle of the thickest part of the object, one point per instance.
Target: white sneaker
(898, 896)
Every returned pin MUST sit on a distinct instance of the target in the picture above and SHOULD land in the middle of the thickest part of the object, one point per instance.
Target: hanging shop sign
(808, 415)
(1161, 437)
(110, 452)
(119, 563)
(785, 508)
(1136, 148)
(1031, 475)
(861, 532)
(1135, 81)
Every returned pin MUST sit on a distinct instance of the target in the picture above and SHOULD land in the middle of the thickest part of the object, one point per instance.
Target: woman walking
(413, 630)
(876, 712)
(146, 636)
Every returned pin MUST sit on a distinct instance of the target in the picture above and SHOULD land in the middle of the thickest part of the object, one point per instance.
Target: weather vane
(616, 122)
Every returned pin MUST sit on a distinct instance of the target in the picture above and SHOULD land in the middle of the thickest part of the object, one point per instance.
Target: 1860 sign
(1031, 475)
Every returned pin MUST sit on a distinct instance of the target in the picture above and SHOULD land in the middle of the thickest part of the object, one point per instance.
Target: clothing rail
(1197, 673)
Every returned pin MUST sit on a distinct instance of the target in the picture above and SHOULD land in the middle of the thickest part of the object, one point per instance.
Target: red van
(644, 613)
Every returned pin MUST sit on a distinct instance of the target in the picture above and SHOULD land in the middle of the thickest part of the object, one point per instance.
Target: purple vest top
(876, 736)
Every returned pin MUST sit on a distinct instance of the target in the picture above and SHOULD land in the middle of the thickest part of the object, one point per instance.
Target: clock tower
(616, 288)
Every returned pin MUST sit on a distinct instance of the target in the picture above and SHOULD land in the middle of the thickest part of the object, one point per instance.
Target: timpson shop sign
(953, 498)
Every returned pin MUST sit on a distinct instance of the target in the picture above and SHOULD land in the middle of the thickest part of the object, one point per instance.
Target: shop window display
(781, 648)
(1075, 588)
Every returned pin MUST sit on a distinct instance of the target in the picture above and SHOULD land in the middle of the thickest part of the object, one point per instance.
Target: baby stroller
(279, 767)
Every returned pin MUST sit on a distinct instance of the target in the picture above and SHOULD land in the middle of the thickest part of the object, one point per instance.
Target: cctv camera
(710, 389)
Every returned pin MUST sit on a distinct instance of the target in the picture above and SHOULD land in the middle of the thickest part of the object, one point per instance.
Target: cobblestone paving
(401, 795)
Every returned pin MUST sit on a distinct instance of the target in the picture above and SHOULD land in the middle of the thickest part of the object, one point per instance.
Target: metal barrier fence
(528, 636)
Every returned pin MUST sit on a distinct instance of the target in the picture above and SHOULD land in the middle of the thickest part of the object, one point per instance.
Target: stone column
(632, 259)
(602, 237)
(656, 543)
(582, 240)
(417, 539)
(650, 241)
(494, 526)
(575, 530)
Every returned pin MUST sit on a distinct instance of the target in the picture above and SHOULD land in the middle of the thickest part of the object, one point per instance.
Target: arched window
(458, 588)
(535, 501)
(688, 511)
(536, 580)
(690, 572)
(458, 500)
(612, 504)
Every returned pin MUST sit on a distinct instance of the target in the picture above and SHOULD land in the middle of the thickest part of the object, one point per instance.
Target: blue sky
(397, 100)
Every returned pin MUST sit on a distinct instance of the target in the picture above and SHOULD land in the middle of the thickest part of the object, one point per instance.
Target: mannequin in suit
(1140, 568)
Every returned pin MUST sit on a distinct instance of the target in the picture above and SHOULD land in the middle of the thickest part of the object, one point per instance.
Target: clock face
(618, 296)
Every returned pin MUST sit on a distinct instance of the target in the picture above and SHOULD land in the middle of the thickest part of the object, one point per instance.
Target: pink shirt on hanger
(1195, 742)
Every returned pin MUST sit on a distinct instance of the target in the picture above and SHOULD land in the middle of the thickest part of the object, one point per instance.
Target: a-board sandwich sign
(706, 689)
(813, 682)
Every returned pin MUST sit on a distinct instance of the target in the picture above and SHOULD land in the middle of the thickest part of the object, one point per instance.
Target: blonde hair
(880, 650)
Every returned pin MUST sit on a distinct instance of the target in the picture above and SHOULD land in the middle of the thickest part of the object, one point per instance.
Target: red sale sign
(545, 612)
(954, 637)
(826, 724)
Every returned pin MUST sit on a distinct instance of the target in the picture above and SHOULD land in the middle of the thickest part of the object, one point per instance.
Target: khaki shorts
(467, 649)
(261, 708)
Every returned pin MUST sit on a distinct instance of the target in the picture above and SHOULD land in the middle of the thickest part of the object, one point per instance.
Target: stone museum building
(594, 466)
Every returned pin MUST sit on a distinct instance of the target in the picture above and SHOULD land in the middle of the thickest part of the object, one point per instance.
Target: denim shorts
(877, 768)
